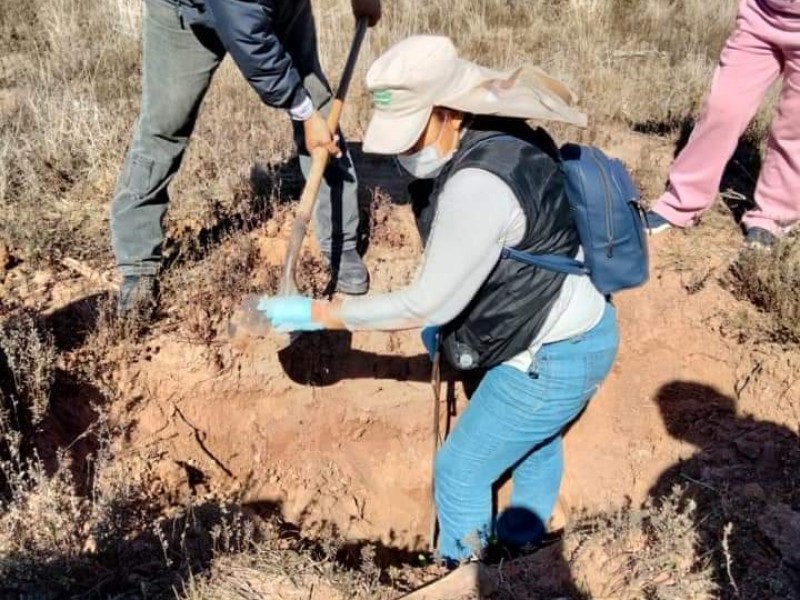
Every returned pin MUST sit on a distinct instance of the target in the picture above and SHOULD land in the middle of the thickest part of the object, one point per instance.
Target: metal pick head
(248, 321)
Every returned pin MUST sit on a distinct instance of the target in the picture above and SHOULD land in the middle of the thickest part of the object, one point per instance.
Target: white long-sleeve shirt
(477, 216)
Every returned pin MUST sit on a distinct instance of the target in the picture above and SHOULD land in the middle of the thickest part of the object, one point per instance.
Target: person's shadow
(744, 480)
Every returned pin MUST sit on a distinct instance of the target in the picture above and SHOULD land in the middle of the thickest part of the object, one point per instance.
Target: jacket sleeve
(246, 29)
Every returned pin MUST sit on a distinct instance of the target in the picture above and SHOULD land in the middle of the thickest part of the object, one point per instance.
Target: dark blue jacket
(252, 32)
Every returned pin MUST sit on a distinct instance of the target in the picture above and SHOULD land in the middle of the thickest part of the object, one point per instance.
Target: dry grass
(69, 94)
(631, 554)
(771, 281)
(270, 569)
(66, 111)
(30, 494)
(648, 553)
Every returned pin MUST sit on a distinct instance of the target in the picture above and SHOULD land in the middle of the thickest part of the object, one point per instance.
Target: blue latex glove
(288, 313)
(430, 339)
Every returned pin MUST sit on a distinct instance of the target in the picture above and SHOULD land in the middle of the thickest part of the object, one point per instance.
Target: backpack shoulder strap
(551, 262)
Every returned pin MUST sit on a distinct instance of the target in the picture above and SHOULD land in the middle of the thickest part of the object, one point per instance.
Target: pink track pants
(764, 46)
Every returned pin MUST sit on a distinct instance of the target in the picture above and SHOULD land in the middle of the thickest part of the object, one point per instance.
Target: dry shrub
(116, 543)
(51, 523)
(42, 523)
(30, 358)
(771, 280)
(41, 516)
(27, 366)
(643, 554)
(115, 540)
(639, 554)
(277, 568)
(647, 553)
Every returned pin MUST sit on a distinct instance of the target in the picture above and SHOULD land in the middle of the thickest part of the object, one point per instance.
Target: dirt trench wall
(336, 431)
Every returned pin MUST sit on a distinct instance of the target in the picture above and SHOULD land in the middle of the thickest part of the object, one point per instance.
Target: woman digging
(485, 181)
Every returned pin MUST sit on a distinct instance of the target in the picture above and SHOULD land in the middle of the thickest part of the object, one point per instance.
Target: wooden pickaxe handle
(319, 162)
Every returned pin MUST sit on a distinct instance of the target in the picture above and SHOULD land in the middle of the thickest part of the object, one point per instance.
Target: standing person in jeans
(764, 47)
(273, 42)
(485, 181)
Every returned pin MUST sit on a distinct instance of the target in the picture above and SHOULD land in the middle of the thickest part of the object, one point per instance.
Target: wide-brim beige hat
(424, 71)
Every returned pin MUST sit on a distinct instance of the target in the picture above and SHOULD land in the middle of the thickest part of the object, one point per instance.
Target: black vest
(510, 308)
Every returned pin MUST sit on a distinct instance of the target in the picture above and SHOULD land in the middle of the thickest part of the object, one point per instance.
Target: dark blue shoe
(655, 223)
(758, 238)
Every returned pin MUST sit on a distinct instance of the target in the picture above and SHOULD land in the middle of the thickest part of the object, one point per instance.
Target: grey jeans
(178, 64)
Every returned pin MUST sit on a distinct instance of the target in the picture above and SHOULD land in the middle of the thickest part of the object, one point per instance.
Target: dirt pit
(332, 435)
(336, 430)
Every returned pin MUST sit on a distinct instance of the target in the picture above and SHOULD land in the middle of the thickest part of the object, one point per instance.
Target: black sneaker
(758, 238)
(350, 274)
(655, 223)
(138, 296)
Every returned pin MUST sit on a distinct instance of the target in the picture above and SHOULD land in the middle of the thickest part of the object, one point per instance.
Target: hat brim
(392, 134)
(525, 93)
(519, 102)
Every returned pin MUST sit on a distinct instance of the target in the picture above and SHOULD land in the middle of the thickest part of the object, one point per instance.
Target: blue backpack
(608, 216)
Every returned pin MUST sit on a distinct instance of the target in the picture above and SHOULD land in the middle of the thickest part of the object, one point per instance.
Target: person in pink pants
(764, 46)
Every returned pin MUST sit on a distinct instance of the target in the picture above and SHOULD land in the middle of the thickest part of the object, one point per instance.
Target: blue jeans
(178, 64)
(514, 423)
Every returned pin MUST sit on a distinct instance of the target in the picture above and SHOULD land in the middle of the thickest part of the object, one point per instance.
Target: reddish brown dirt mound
(336, 429)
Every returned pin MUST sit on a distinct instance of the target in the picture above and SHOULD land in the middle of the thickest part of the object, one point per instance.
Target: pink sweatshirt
(786, 7)
(781, 14)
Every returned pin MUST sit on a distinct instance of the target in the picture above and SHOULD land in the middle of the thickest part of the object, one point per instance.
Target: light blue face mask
(425, 163)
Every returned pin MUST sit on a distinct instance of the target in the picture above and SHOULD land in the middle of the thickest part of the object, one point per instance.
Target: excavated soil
(336, 429)
(334, 432)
